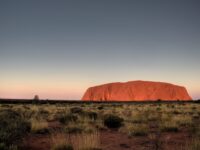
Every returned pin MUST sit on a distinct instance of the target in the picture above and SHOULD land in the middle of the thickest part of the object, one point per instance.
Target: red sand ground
(114, 140)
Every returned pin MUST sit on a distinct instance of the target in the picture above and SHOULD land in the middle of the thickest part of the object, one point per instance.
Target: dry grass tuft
(193, 145)
(60, 142)
(39, 126)
(169, 127)
(138, 130)
(84, 141)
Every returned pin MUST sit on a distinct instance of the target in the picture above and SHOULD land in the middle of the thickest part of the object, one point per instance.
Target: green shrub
(112, 121)
(12, 127)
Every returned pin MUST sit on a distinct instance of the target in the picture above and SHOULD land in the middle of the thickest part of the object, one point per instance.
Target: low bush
(39, 126)
(76, 110)
(3, 146)
(91, 148)
(169, 127)
(66, 118)
(100, 107)
(12, 127)
(73, 129)
(112, 121)
(62, 147)
(138, 130)
(92, 115)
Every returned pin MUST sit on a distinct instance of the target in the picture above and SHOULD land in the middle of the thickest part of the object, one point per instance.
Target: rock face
(136, 91)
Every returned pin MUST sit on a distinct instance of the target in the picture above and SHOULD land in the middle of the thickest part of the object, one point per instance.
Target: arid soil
(100, 126)
(115, 140)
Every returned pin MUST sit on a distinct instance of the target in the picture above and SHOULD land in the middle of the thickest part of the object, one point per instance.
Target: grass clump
(60, 142)
(90, 141)
(112, 121)
(39, 126)
(92, 115)
(76, 110)
(138, 130)
(183, 120)
(62, 147)
(73, 129)
(12, 127)
(139, 117)
(193, 145)
(169, 127)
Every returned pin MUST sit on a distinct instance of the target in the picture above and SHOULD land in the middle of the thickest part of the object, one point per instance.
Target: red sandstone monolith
(136, 91)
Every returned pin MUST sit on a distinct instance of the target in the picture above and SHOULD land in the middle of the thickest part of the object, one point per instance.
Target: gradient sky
(58, 48)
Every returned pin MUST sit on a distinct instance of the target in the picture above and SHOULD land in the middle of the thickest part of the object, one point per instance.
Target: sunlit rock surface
(136, 91)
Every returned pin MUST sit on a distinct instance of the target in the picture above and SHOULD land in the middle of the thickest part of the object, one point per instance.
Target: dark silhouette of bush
(74, 130)
(172, 129)
(66, 118)
(112, 121)
(76, 110)
(3, 146)
(159, 100)
(100, 107)
(12, 127)
(63, 147)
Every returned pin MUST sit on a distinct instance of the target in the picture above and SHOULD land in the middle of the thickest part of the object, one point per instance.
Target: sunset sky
(59, 48)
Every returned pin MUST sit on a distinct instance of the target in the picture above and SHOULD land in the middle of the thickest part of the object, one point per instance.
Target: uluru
(136, 91)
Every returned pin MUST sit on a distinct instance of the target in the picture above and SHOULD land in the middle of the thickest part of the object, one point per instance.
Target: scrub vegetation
(99, 126)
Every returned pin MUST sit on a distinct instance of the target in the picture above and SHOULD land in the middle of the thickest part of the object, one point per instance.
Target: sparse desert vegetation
(100, 126)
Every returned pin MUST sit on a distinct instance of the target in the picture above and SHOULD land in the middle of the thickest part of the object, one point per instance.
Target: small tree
(36, 98)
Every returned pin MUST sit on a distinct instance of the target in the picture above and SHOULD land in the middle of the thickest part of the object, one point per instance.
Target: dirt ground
(114, 140)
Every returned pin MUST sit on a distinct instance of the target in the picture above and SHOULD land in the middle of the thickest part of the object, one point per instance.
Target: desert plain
(44, 125)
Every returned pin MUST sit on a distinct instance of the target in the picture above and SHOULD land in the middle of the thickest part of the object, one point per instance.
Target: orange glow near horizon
(48, 93)
(71, 91)
(72, 86)
(45, 90)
